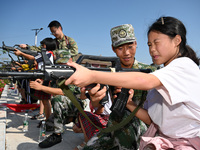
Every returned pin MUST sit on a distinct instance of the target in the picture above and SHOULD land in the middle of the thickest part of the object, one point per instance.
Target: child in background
(45, 104)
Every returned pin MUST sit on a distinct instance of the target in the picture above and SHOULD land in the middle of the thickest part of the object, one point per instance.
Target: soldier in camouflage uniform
(124, 45)
(66, 46)
(63, 111)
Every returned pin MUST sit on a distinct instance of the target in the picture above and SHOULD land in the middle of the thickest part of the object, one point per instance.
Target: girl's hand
(17, 52)
(35, 85)
(39, 81)
(81, 77)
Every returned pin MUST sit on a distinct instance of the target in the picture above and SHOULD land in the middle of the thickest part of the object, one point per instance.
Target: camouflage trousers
(126, 138)
(64, 112)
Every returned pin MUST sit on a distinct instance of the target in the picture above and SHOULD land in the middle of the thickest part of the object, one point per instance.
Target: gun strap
(11, 59)
(67, 92)
(127, 120)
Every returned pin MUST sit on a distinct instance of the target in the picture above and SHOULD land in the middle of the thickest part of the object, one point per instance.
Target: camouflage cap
(122, 34)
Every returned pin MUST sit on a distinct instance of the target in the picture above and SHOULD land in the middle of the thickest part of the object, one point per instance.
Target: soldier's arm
(34, 48)
(142, 114)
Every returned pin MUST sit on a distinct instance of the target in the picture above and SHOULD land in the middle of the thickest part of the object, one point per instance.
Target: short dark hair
(171, 27)
(54, 23)
(50, 44)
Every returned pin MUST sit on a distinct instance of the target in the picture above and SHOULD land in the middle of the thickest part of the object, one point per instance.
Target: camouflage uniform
(34, 48)
(62, 56)
(63, 109)
(127, 137)
(67, 47)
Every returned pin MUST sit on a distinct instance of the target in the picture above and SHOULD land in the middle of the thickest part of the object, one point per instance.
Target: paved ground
(12, 137)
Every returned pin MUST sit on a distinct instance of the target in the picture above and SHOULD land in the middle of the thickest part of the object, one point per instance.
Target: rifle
(60, 72)
(119, 104)
(9, 48)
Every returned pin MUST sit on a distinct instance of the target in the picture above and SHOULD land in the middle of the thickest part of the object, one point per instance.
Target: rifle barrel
(27, 74)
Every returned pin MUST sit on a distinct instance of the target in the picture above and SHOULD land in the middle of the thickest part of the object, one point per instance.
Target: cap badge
(122, 33)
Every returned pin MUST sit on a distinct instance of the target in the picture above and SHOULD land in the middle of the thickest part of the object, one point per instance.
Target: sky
(89, 22)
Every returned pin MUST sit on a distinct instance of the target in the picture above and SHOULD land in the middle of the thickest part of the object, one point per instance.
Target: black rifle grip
(119, 104)
(104, 100)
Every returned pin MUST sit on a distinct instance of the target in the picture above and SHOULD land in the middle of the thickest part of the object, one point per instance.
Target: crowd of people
(168, 112)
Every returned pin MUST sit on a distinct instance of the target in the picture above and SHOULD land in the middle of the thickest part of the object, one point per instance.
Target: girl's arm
(50, 90)
(130, 80)
(27, 56)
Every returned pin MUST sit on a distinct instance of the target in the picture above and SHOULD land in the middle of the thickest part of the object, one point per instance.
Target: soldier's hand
(24, 46)
(130, 104)
(96, 94)
(131, 93)
(117, 90)
(83, 96)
